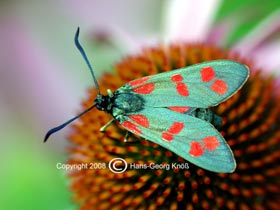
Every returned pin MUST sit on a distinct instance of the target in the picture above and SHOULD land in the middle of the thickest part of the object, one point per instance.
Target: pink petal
(189, 20)
(220, 31)
(268, 57)
(32, 83)
(259, 35)
(131, 23)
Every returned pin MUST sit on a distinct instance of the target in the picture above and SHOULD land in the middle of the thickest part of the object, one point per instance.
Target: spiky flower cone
(251, 127)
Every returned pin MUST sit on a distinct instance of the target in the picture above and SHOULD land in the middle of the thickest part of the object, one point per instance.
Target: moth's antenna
(53, 130)
(80, 48)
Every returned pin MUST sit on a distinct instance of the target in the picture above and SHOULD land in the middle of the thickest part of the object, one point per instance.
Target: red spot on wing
(139, 81)
(219, 86)
(207, 74)
(145, 89)
(177, 78)
(176, 127)
(167, 136)
(211, 142)
(131, 127)
(181, 109)
(182, 89)
(140, 119)
(196, 149)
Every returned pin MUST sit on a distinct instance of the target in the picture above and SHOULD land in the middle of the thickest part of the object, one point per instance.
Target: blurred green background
(43, 77)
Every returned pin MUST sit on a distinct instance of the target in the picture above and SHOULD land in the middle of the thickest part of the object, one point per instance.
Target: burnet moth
(171, 109)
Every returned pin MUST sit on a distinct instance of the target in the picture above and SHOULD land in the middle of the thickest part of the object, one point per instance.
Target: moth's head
(102, 102)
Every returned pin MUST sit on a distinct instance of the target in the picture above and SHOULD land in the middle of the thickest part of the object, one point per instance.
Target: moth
(171, 109)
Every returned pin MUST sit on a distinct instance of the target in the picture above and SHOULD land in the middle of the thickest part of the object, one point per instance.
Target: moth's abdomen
(207, 115)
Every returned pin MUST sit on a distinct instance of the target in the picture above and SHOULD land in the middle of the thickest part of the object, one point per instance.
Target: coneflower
(251, 126)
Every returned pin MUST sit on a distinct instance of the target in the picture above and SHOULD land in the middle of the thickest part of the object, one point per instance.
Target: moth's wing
(201, 85)
(191, 138)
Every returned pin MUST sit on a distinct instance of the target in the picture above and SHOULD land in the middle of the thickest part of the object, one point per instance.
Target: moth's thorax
(119, 103)
(128, 102)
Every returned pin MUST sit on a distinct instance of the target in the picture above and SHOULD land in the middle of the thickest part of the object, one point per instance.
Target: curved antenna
(80, 48)
(53, 130)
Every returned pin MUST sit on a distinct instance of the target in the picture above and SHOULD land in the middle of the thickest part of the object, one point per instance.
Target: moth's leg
(127, 136)
(103, 128)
